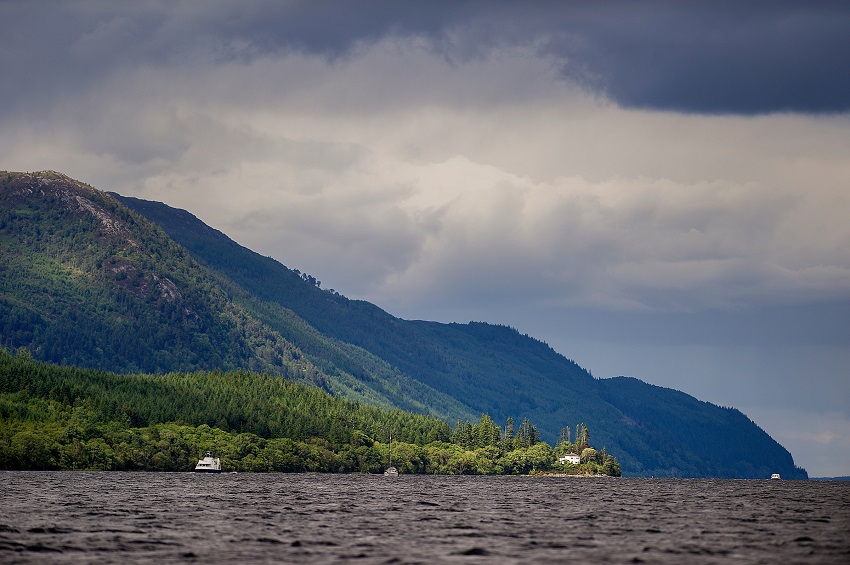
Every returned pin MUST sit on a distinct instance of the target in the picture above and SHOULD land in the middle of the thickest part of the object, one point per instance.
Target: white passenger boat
(775, 477)
(209, 464)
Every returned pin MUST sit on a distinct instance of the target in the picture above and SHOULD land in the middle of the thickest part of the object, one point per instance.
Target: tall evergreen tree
(508, 440)
(565, 435)
(524, 435)
(583, 439)
(533, 436)
(486, 432)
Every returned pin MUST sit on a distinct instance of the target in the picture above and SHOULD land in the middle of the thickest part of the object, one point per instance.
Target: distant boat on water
(209, 464)
(775, 477)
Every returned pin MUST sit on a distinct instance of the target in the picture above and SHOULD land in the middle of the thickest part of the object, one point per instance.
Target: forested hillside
(54, 417)
(86, 281)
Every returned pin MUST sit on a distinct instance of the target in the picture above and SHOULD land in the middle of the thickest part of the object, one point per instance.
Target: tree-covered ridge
(54, 417)
(239, 401)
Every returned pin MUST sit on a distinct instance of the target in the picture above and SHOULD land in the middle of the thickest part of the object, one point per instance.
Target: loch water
(113, 517)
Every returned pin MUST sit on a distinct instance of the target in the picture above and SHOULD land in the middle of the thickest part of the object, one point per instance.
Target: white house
(570, 458)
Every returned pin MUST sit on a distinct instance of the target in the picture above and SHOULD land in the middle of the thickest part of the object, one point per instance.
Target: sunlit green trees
(54, 417)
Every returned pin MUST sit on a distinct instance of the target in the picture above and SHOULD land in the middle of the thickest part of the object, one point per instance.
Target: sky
(655, 189)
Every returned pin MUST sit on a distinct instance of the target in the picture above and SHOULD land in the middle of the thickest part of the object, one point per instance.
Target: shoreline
(580, 476)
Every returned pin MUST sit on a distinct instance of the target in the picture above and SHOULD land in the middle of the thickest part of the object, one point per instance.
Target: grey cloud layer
(429, 179)
(718, 57)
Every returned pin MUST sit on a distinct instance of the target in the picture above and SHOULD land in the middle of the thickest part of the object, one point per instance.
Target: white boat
(209, 464)
(775, 477)
(391, 472)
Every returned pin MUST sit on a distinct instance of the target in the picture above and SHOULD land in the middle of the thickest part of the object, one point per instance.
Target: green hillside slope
(495, 369)
(86, 281)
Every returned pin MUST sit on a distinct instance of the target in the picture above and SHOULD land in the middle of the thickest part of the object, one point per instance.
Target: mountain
(86, 281)
(117, 283)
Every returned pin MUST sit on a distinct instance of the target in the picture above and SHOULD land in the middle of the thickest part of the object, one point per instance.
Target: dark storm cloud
(707, 57)
(716, 57)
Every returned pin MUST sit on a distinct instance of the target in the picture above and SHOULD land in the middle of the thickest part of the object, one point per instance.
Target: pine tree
(564, 438)
(486, 432)
(583, 438)
(509, 434)
(524, 435)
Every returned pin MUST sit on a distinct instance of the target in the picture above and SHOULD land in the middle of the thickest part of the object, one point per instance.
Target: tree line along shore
(56, 417)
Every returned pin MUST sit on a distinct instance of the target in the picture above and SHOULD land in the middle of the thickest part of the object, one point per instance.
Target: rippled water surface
(83, 517)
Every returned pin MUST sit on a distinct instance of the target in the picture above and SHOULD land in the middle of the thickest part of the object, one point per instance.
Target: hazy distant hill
(86, 281)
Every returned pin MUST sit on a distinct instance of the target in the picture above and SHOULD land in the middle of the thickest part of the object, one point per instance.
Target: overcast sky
(655, 189)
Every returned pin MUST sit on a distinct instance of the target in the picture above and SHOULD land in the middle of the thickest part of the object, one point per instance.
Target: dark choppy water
(93, 517)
